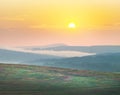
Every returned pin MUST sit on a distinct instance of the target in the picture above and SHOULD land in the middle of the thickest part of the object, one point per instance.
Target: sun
(71, 25)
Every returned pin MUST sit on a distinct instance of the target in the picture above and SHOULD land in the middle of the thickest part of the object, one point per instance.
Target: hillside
(36, 80)
(8, 56)
(102, 62)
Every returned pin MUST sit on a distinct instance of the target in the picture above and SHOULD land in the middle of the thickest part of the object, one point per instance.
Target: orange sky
(42, 22)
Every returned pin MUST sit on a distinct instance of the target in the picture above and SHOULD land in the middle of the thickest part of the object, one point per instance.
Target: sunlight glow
(72, 25)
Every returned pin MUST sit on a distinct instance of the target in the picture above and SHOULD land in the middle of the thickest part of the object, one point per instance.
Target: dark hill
(17, 57)
(102, 62)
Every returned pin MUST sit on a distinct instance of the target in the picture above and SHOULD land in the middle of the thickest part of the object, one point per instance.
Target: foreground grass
(36, 80)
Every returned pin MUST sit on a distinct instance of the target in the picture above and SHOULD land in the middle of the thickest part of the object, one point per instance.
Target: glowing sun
(72, 25)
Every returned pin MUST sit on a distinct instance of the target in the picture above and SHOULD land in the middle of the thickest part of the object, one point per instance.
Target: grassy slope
(36, 80)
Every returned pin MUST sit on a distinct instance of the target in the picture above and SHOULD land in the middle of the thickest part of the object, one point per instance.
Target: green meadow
(39, 80)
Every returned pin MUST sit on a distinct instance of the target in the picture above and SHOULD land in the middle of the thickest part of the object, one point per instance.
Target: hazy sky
(42, 22)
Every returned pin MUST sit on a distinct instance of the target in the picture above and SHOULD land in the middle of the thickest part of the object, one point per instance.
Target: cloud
(63, 53)
(38, 26)
(45, 26)
(54, 53)
(11, 18)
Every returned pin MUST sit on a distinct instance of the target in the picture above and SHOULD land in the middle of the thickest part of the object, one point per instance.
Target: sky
(42, 22)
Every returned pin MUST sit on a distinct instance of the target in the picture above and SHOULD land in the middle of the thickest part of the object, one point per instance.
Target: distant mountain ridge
(88, 49)
(42, 47)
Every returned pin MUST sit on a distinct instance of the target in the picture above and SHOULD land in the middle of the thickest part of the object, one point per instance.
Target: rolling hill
(101, 62)
(108, 62)
(8, 56)
(39, 80)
